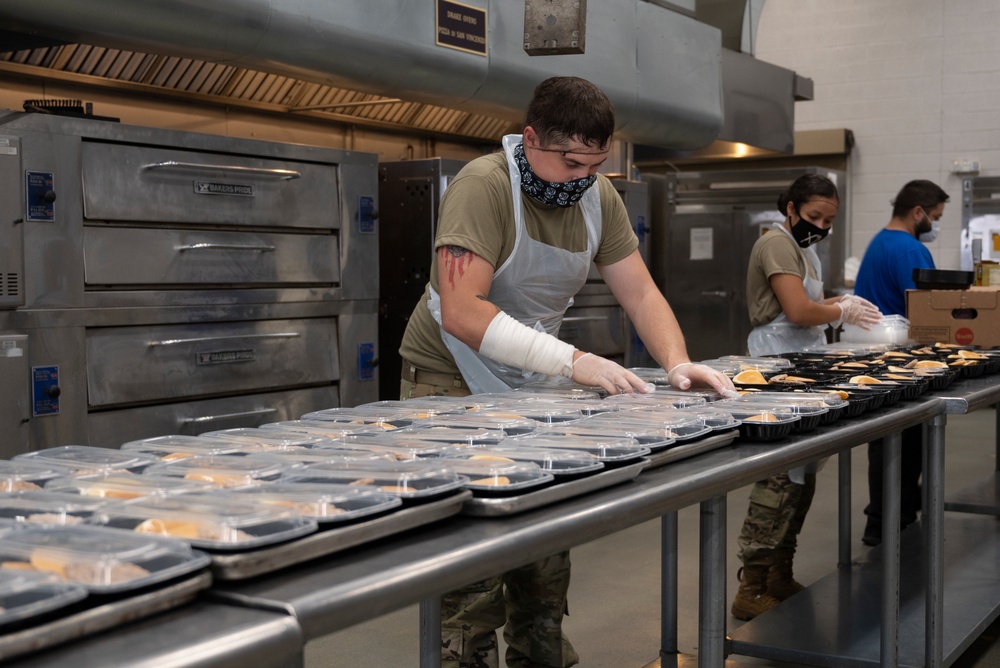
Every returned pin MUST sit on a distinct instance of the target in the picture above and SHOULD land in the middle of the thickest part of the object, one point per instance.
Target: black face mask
(806, 234)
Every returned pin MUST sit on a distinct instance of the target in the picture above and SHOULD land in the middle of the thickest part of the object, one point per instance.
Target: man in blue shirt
(885, 275)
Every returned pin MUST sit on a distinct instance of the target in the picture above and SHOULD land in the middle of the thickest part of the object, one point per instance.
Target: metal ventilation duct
(662, 69)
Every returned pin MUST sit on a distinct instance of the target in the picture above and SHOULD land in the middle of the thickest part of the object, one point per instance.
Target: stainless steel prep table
(968, 396)
(199, 635)
(333, 594)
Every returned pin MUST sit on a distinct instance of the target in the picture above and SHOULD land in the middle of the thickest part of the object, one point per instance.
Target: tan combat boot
(780, 583)
(752, 597)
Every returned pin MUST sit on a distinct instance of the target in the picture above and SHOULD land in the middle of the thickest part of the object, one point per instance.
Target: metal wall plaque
(554, 27)
(211, 188)
(461, 27)
(226, 356)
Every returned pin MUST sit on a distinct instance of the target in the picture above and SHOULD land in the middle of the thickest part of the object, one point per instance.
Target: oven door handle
(285, 174)
(214, 246)
(207, 339)
(226, 416)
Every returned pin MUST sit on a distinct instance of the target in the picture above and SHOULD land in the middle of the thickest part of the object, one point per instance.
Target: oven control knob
(53, 392)
(49, 196)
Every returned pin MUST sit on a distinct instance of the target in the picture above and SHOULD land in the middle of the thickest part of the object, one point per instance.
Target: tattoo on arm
(455, 258)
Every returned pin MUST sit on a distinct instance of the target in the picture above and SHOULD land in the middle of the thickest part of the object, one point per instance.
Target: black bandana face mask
(806, 234)
(554, 194)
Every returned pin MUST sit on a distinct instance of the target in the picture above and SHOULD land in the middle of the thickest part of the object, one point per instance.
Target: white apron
(781, 336)
(535, 286)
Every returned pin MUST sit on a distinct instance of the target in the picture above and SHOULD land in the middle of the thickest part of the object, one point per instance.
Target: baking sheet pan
(691, 449)
(508, 505)
(244, 565)
(102, 617)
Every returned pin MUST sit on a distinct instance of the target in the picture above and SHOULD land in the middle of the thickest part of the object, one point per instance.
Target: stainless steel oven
(172, 282)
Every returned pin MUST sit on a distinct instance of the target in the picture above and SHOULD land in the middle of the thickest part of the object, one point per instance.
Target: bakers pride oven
(158, 282)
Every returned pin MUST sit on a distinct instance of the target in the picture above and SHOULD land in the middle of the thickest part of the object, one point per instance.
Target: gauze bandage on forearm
(509, 342)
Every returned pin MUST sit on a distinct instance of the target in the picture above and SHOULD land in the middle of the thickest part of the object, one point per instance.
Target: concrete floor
(614, 597)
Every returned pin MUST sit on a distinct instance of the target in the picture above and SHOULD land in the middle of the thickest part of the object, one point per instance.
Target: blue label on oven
(366, 214)
(44, 390)
(366, 361)
(38, 208)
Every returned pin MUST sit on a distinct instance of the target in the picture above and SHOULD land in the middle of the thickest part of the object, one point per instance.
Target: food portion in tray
(410, 480)
(18, 476)
(47, 507)
(325, 503)
(112, 485)
(82, 459)
(232, 470)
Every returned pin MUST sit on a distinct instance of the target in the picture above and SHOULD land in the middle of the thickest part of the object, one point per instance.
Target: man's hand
(589, 369)
(687, 375)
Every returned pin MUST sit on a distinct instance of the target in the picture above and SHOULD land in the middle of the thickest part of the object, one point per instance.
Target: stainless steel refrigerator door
(703, 280)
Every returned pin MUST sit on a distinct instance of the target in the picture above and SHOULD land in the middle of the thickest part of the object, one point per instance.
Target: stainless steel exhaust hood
(664, 70)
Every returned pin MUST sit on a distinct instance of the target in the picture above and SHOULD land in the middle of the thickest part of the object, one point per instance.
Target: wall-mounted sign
(461, 27)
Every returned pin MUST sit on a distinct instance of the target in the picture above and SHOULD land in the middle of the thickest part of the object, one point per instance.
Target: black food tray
(248, 564)
(685, 450)
(102, 617)
(943, 279)
(508, 505)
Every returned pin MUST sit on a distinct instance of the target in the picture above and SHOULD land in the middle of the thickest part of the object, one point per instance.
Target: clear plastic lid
(674, 423)
(651, 437)
(88, 459)
(334, 452)
(221, 470)
(177, 446)
(757, 413)
(608, 449)
(45, 507)
(808, 407)
(16, 476)
(411, 480)
(324, 503)
(324, 428)
(810, 399)
(712, 417)
(656, 399)
(25, 594)
(492, 475)
(216, 520)
(117, 486)
(848, 348)
(103, 560)
(385, 418)
(422, 407)
(544, 411)
(557, 461)
(586, 407)
(493, 419)
(433, 430)
(563, 388)
(757, 363)
(261, 440)
(401, 449)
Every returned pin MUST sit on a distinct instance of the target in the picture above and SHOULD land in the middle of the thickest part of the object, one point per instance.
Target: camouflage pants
(775, 517)
(532, 602)
(529, 602)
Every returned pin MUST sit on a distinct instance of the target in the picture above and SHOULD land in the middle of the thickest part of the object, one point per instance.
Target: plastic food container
(336, 452)
(675, 424)
(805, 404)
(556, 388)
(422, 407)
(324, 428)
(384, 418)
(411, 481)
(658, 398)
(943, 279)
(893, 330)
(491, 419)
(401, 449)
(544, 411)
(562, 463)
(610, 450)
(16, 476)
(713, 418)
(221, 470)
(762, 423)
(324, 503)
(177, 446)
(260, 440)
(103, 560)
(118, 486)
(26, 594)
(81, 459)
(48, 508)
(653, 438)
(216, 520)
(452, 434)
(496, 476)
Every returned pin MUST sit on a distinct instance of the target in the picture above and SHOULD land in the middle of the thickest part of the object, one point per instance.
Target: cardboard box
(987, 273)
(955, 316)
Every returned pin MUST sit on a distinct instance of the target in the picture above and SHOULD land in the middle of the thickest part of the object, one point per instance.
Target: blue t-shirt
(886, 271)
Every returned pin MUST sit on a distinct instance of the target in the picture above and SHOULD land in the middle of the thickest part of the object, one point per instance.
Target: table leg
(844, 508)
(712, 584)
(430, 632)
(891, 467)
(668, 589)
(933, 520)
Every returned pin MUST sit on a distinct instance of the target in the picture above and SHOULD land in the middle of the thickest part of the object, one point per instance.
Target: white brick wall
(917, 81)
